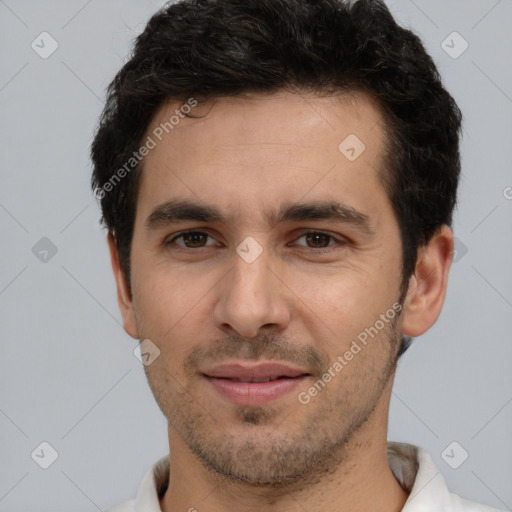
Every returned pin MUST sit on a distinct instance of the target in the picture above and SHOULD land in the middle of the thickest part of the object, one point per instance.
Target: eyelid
(175, 236)
(337, 239)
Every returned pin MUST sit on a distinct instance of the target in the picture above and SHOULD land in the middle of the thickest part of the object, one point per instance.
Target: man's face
(243, 292)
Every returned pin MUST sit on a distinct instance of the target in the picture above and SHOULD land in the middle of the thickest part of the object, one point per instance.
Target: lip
(236, 381)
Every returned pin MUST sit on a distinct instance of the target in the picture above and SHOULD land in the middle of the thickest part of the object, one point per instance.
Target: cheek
(175, 311)
(337, 309)
(164, 299)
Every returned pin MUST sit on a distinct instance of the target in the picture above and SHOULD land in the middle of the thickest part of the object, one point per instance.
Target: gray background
(67, 369)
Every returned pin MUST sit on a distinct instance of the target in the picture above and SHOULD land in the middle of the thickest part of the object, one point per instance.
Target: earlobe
(124, 297)
(427, 287)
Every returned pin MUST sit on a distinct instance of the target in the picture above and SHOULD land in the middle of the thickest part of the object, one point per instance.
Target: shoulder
(463, 505)
(416, 472)
(125, 506)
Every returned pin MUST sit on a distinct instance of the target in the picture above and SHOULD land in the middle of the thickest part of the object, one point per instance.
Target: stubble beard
(272, 455)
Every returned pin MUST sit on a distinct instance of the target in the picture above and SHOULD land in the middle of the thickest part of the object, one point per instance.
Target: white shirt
(411, 465)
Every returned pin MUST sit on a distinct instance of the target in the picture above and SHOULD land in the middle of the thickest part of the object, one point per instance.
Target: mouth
(253, 381)
(252, 385)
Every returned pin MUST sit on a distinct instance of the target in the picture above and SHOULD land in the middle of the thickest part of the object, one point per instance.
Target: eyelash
(316, 249)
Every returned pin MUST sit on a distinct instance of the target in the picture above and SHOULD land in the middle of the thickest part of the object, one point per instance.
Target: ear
(427, 287)
(123, 290)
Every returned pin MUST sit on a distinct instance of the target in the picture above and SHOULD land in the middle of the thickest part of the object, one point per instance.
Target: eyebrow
(185, 210)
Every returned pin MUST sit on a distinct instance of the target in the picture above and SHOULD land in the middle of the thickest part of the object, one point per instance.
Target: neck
(360, 480)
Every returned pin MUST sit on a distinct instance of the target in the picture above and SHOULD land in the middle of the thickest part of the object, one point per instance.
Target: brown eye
(191, 239)
(318, 240)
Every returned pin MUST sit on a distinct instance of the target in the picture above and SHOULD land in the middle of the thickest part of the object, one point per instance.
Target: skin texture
(302, 301)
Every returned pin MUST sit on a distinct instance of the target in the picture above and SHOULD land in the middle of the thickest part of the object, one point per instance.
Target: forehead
(264, 148)
(294, 120)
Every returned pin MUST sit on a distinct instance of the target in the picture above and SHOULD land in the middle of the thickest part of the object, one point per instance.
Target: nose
(251, 298)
